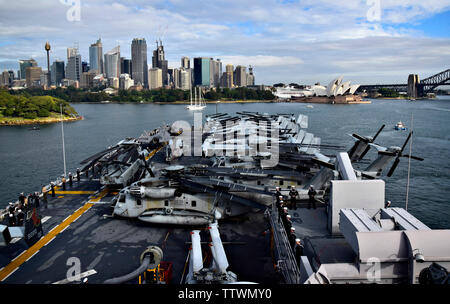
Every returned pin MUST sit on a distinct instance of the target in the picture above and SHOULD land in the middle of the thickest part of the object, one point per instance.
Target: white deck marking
(77, 278)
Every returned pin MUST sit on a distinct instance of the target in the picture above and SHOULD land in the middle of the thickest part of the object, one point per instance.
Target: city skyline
(285, 41)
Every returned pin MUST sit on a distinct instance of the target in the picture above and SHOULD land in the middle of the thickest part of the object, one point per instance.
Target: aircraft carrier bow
(245, 198)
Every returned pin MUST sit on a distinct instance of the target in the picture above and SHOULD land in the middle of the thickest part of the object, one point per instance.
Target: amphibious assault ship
(137, 212)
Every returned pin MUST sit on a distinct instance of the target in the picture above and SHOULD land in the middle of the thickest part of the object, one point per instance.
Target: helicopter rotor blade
(394, 166)
(406, 141)
(379, 131)
(413, 157)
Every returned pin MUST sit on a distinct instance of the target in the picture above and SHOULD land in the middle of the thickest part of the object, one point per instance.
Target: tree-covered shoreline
(75, 95)
(28, 106)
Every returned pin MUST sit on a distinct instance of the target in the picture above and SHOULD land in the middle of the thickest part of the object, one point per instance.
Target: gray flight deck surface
(112, 246)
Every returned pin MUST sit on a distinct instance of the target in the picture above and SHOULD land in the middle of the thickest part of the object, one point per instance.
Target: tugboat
(400, 126)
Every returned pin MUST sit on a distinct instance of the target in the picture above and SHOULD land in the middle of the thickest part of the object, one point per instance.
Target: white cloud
(305, 41)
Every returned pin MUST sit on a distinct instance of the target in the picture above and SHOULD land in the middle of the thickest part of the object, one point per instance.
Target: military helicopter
(385, 155)
(120, 165)
(176, 197)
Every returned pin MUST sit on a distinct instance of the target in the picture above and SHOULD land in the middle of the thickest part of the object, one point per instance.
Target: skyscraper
(96, 57)
(185, 62)
(250, 76)
(5, 79)
(125, 66)
(202, 71)
(112, 63)
(57, 72)
(33, 76)
(24, 64)
(185, 79)
(228, 81)
(159, 61)
(241, 76)
(73, 68)
(215, 72)
(155, 78)
(139, 61)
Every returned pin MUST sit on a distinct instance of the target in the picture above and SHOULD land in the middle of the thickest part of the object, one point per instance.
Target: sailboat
(198, 103)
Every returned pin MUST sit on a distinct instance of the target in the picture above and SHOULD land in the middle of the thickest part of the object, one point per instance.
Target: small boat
(34, 128)
(400, 126)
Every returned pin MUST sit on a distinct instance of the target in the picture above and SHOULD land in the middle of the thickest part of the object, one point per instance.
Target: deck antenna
(62, 134)
(409, 163)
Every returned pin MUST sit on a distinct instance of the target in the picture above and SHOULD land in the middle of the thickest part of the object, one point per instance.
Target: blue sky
(303, 41)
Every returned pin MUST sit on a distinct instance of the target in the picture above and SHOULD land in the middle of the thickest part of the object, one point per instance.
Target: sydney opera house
(336, 92)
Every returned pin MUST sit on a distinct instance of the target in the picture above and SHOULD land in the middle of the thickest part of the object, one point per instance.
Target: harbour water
(29, 159)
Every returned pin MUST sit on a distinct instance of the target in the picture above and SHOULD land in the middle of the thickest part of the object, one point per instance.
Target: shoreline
(15, 121)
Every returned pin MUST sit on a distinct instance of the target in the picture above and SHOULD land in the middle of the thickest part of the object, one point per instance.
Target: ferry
(400, 126)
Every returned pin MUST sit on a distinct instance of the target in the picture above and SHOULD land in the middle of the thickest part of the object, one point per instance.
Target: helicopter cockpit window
(122, 198)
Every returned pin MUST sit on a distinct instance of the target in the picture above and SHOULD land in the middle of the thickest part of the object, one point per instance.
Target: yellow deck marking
(11, 267)
(153, 152)
(99, 196)
(75, 192)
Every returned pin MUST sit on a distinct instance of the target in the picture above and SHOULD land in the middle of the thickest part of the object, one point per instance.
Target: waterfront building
(84, 67)
(139, 61)
(23, 64)
(125, 66)
(113, 82)
(159, 61)
(96, 57)
(185, 79)
(71, 83)
(33, 76)
(215, 68)
(125, 81)
(112, 63)
(227, 77)
(185, 62)
(5, 79)
(57, 72)
(155, 78)
(87, 79)
(250, 77)
(174, 77)
(202, 71)
(99, 80)
(44, 79)
(335, 88)
(73, 68)
(240, 76)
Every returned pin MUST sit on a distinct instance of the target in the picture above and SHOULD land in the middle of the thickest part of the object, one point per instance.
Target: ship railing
(284, 254)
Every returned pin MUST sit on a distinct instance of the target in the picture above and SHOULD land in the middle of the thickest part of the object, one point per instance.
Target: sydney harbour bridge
(414, 87)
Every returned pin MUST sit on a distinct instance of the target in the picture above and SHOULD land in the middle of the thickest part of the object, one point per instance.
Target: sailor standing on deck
(280, 210)
(278, 194)
(298, 250)
(36, 200)
(293, 194)
(311, 194)
(288, 225)
(44, 196)
(292, 238)
(20, 217)
(22, 198)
